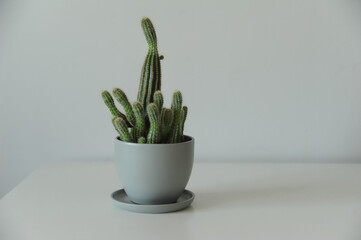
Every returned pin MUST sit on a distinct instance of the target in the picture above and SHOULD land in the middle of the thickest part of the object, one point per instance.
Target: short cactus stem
(154, 131)
(140, 119)
(174, 135)
(142, 140)
(113, 122)
(121, 126)
(133, 133)
(109, 102)
(167, 120)
(158, 99)
(123, 100)
(184, 113)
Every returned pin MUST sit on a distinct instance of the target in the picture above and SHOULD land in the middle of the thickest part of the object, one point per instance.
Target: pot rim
(191, 139)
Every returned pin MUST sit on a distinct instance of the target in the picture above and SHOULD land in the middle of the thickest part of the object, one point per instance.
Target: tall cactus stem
(121, 126)
(175, 134)
(123, 100)
(154, 131)
(150, 78)
(140, 119)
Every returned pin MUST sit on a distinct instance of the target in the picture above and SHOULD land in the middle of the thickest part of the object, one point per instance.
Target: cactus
(109, 102)
(140, 119)
(142, 140)
(150, 78)
(154, 131)
(133, 134)
(158, 99)
(174, 135)
(113, 121)
(166, 122)
(146, 120)
(184, 113)
(123, 100)
(121, 126)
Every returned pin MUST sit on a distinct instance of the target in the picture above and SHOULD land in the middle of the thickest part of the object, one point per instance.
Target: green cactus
(133, 134)
(154, 131)
(123, 100)
(184, 113)
(175, 134)
(166, 120)
(158, 99)
(150, 78)
(121, 126)
(113, 121)
(109, 102)
(142, 140)
(140, 119)
(147, 121)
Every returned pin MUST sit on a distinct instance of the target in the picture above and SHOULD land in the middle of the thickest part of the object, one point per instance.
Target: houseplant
(153, 158)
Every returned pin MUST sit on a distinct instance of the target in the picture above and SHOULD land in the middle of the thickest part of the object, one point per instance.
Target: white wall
(264, 80)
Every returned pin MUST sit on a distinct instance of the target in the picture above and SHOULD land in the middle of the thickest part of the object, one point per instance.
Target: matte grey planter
(154, 173)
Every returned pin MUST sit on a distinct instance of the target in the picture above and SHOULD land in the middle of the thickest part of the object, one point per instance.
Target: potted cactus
(153, 158)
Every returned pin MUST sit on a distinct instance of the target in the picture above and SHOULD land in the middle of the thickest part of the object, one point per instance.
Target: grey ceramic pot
(154, 173)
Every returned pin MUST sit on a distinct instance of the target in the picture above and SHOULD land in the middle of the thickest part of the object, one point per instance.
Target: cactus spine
(154, 131)
(150, 78)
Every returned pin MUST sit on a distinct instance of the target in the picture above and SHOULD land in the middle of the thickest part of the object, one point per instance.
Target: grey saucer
(121, 200)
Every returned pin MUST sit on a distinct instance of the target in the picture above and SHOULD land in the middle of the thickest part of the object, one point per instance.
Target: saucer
(121, 199)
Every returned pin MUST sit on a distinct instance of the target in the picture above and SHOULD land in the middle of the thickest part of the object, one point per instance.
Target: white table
(71, 200)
